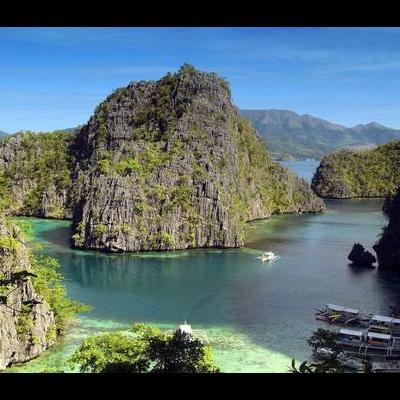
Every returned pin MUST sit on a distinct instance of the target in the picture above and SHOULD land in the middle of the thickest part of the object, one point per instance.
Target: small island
(368, 173)
(161, 165)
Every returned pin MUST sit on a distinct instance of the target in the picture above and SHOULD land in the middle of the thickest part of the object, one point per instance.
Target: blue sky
(53, 78)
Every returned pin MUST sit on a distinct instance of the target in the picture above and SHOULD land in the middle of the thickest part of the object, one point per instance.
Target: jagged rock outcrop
(27, 324)
(360, 257)
(34, 174)
(370, 173)
(171, 164)
(388, 246)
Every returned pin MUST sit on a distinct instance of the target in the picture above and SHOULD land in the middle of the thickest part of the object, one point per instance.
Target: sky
(53, 78)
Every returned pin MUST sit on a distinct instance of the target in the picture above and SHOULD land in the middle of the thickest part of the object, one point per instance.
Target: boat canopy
(375, 335)
(384, 318)
(186, 328)
(351, 332)
(334, 307)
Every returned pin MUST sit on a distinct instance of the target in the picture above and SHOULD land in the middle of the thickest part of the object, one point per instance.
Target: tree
(143, 348)
(180, 353)
(324, 338)
(329, 365)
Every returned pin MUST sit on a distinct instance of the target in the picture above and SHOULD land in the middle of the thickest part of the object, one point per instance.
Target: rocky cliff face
(34, 174)
(388, 246)
(370, 173)
(26, 322)
(170, 164)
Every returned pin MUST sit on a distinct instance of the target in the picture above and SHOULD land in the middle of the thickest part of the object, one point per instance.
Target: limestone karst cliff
(27, 324)
(388, 246)
(369, 173)
(171, 164)
(35, 175)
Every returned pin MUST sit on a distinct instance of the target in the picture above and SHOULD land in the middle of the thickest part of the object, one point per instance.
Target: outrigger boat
(382, 323)
(335, 314)
(367, 342)
(339, 315)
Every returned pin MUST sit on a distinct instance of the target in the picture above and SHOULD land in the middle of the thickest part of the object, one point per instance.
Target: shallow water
(257, 316)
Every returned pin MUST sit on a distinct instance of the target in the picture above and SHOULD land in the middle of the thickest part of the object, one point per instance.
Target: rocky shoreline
(27, 324)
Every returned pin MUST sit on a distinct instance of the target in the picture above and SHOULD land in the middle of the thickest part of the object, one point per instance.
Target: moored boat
(268, 256)
(385, 324)
(386, 366)
(335, 314)
(369, 342)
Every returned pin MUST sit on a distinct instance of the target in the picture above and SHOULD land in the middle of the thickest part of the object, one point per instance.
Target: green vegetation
(48, 283)
(331, 363)
(24, 323)
(19, 254)
(40, 163)
(99, 229)
(327, 366)
(143, 349)
(387, 247)
(125, 228)
(184, 165)
(126, 167)
(277, 188)
(104, 166)
(9, 244)
(369, 173)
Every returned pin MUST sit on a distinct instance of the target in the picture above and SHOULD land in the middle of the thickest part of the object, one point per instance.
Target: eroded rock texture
(368, 173)
(388, 246)
(27, 325)
(35, 175)
(170, 164)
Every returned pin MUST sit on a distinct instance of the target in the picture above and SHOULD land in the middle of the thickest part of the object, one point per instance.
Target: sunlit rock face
(35, 174)
(171, 164)
(369, 173)
(26, 321)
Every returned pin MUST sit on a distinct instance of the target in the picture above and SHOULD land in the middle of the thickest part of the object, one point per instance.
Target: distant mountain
(290, 135)
(70, 130)
(3, 133)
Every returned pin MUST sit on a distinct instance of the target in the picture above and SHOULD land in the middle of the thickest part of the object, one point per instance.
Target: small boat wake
(268, 256)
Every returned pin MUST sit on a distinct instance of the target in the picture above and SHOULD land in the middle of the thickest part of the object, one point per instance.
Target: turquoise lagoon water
(257, 316)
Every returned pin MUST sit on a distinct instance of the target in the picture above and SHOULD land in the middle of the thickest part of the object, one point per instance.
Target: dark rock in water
(359, 256)
(171, 164)
(388, 246)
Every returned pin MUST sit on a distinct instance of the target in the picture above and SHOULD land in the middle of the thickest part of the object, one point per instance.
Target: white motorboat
(193, 333)
(268, 256)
